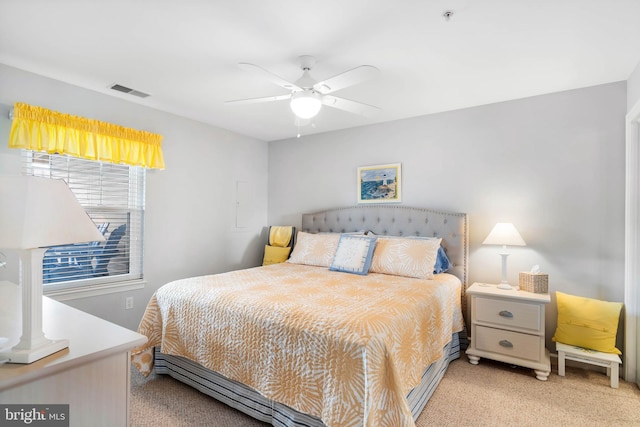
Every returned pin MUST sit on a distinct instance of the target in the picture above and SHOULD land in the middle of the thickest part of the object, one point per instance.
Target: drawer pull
(505, 313)
(506, 343)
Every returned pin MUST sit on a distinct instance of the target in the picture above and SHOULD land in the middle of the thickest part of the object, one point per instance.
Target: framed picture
(379, 184)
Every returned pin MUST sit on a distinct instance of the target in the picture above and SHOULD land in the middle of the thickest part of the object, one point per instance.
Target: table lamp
(36, 213)
(505, 234)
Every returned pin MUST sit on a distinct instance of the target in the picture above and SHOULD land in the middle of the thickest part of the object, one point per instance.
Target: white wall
(553, 165)
(190, 226)
(633, 88)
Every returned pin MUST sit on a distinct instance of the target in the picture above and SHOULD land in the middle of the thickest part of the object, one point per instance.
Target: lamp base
(505, 286)
(25, 356)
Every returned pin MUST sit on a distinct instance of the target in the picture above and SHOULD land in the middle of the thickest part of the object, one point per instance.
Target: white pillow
(442, 265)
(354, 254)
(405, 257)
(314, 249)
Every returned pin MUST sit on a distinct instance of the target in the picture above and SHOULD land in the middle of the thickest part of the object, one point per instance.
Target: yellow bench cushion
(275, 255)
(587, 322)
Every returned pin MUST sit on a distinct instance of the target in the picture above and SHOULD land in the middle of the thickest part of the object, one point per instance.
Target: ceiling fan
(307, 96)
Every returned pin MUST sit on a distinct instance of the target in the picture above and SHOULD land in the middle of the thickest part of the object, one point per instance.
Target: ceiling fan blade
(269, 76)
(258, 100)
(350, 106)
(348, 78)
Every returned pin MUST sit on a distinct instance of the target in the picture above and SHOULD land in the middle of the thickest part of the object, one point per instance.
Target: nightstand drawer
(522, 346)
(509, 313)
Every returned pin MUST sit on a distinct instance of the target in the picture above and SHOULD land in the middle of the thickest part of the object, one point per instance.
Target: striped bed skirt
(252, 403)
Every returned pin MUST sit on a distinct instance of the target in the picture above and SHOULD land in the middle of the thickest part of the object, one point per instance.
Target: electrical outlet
(128, 303)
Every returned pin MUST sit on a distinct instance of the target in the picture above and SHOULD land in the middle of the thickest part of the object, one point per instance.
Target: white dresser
(508, 326)
(92, 376)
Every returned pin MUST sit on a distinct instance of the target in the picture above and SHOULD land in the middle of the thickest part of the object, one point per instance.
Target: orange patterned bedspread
(342, 347)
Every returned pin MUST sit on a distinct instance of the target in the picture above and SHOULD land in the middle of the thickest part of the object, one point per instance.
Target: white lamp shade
(306, 104)
(39, 212)
(504, 233)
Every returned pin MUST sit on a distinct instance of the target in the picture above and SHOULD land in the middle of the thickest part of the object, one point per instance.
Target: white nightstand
(508, 326)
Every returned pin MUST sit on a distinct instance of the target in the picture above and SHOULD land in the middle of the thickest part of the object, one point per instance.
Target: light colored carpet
(488, 394)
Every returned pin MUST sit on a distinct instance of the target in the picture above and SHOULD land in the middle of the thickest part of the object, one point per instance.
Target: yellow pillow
(275, 255)
(587, 323)
(280, 236)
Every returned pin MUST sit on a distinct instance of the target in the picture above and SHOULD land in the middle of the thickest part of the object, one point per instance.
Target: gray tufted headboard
(397, 220)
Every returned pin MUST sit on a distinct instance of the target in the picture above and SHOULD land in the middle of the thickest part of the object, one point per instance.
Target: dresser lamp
(36, 213)
(505, 234)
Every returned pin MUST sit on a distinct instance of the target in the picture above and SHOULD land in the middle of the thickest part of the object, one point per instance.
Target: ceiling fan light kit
(307, 96)
(306, 104)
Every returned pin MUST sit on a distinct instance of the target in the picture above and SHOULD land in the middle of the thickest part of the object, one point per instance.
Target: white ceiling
(185, 53)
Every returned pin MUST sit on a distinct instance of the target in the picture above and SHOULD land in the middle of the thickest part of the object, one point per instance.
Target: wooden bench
(608, 360)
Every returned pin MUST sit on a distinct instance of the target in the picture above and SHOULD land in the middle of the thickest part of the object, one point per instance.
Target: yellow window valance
(38, 129)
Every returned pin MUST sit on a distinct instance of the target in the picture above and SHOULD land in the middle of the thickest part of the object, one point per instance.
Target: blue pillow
(442, 262)
(353, 254)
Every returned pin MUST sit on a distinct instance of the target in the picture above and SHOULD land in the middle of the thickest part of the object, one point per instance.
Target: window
(113, 197)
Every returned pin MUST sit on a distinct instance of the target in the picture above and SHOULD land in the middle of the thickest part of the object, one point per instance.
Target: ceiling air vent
(128, 90)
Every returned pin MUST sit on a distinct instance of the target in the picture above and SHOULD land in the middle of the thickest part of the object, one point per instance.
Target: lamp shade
(39, 212)
(504, 233)
(306, 104)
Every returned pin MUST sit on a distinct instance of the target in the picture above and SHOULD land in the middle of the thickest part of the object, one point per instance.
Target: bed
(300, 344)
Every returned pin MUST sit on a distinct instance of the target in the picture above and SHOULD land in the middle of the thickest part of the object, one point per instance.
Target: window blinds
(113, 197)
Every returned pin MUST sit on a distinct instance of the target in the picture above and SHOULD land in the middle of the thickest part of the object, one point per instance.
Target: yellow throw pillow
(275, 255)
(587, 323)
(280, 235)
